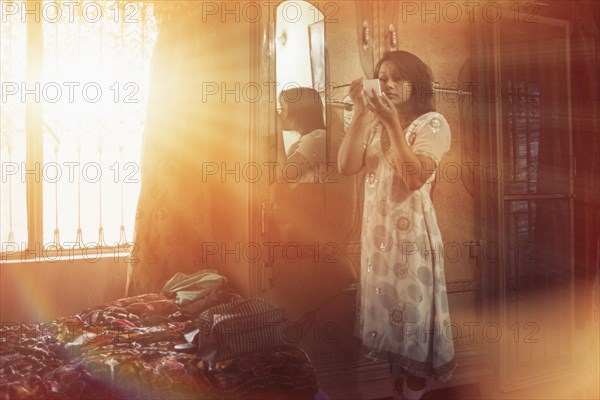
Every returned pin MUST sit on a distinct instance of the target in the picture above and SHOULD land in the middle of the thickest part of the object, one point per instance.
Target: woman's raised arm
(352, 150)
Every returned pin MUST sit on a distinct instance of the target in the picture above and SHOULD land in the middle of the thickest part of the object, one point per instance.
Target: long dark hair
(305, 107)
(414, 70)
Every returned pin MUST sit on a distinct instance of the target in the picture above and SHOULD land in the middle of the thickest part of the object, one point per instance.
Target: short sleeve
(432, 137)
(312, 147)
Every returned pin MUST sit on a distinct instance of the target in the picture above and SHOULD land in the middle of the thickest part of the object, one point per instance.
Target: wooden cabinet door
(530, 218)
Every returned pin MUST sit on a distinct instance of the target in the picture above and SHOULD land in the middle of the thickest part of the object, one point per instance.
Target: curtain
(175, 208)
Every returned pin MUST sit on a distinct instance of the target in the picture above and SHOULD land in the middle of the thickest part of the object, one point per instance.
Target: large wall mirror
(300, 74)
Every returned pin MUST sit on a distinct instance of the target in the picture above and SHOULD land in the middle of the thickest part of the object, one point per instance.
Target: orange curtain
(174, 209)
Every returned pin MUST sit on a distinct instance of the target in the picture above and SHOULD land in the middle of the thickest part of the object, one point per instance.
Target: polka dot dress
(403, 314)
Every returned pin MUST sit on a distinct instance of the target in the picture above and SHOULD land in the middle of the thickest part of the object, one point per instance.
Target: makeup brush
(341, 86)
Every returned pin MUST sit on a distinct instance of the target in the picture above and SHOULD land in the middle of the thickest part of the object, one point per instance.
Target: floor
(583, 383)
(549, 391)
(465, 392)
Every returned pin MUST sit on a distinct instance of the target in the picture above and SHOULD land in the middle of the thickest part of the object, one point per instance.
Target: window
(74, 89)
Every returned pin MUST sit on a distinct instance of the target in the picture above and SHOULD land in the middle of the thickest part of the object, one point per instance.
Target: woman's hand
(351, 154)
(357, 96)
(383, 108)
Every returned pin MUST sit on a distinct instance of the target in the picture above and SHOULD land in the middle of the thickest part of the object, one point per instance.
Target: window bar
(521, 140)
(79, 237)
(56, 241)
(511, 133)
(530, 162)
(34, 135)
(122, 234)
(515, 134)
(513, 154)
(55, 244)
(101, 241)
(9, 147)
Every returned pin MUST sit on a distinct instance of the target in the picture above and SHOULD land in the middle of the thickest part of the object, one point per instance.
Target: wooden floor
(582, 384)
(466, 392)
(480, 383)
(563, 390)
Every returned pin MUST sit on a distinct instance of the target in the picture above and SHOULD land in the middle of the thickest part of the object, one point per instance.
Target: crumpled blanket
(125, 349)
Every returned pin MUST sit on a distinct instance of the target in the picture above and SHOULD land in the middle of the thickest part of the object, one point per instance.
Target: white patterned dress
(403, 312)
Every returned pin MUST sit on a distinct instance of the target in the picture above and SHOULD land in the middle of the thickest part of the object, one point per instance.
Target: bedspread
(125, 349)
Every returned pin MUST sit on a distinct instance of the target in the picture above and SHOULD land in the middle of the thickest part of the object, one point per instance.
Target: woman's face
(284, 118)
(396, 89)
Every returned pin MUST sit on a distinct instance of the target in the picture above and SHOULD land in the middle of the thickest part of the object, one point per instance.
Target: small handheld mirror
(374, 84)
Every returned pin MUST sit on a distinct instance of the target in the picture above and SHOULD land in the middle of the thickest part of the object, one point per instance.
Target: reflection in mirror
(302, 113)
(300, 74)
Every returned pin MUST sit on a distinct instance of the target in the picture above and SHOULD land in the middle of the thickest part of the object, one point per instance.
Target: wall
(40, 291)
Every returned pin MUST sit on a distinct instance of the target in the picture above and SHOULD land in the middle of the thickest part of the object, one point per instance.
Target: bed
(127, 349)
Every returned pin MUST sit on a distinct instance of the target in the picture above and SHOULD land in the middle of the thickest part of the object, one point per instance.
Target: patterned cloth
(125, 349)
(403, 313)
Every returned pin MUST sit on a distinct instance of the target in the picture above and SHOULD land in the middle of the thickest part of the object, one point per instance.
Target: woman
(302, 111)
(403, 314)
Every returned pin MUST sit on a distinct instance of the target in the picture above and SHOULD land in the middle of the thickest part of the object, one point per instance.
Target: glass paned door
(533, 122)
